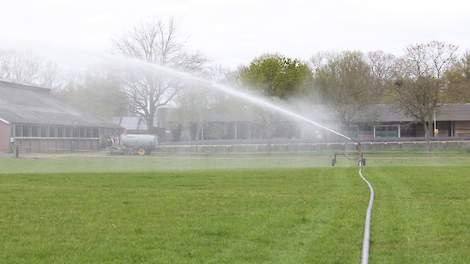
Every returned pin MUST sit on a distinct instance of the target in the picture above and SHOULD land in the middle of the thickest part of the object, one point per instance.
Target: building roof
(20, 103)
(384, 113)
(454, 112)
(391, 113)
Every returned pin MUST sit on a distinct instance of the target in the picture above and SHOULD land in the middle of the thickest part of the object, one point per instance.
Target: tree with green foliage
(277, 76)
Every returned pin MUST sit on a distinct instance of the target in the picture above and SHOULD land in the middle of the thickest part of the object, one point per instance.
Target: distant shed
(36, 120)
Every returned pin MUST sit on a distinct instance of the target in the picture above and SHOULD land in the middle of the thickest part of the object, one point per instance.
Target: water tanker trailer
(137, 144)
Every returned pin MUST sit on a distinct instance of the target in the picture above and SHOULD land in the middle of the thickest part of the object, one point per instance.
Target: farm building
(209, 126)
(451, 121)
(379, 122)
(35, 120)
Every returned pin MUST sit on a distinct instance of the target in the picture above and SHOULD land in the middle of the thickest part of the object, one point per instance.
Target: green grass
(422, 214)
(233, 209)
(92, 163)
(265, 216)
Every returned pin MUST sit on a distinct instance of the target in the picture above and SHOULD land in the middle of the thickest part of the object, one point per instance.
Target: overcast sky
(232, 32)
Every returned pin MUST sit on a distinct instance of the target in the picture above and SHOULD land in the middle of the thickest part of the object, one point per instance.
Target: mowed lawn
(277, 215)
(244, 216)
(421, 214)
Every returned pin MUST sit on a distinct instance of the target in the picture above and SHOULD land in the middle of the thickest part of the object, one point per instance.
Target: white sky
(232, 32)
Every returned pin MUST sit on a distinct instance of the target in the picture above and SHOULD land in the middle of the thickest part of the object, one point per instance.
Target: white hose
(366, 239)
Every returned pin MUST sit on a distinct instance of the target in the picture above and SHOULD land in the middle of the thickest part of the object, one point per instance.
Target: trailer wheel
(141, 151)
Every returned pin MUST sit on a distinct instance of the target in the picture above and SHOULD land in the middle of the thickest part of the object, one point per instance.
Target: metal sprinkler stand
(361, 161)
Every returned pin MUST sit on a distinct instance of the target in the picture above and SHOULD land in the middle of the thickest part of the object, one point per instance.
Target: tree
(346, 83)
(154, 42)
(196, 104)
(382, 68)
(98, 92)
(277, 76)
(458, 81)
(430, 59)
(25, 67)
(419, 84)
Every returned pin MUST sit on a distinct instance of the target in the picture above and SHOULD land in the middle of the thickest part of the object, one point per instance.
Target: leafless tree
(419, 83)
(382, 68)
(26, 67)
(154, 42)
(431, 59)
(419, 98)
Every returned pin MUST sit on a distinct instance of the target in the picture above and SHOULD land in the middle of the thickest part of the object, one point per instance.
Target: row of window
(387, 131)
(55, 131)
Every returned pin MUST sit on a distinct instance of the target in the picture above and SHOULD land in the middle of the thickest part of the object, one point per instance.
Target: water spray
(259, 101)
(264, 103)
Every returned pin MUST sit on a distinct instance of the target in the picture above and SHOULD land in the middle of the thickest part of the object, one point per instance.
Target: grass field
(233, 209)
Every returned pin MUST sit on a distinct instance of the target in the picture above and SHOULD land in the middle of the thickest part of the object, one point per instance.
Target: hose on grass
(366, 239)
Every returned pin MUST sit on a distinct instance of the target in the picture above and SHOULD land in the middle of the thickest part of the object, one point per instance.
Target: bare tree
(419, 83)
(25, 67)
(382, 70)
(154, 42)
(419, 98)
(430, 59)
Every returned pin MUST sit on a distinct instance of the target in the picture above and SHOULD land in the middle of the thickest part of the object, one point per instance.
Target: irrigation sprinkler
(361, 162)
(358, 155)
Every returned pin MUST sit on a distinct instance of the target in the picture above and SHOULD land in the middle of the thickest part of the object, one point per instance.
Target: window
(387, 131)
(60, 132)
(26, 131)
(68, 132)
(44, 131)
(82, 132)
(88, 132)
(76, 132)
(35, 131)
(52, 131)
(18, 131)
(96, 133)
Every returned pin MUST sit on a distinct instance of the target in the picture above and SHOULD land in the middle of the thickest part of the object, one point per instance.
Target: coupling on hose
(361, 161)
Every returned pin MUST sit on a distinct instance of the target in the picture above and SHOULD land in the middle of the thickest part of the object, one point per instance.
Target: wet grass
(50, 212)
(422, 214)
(91, 163)
(263, 216)
(51, 163)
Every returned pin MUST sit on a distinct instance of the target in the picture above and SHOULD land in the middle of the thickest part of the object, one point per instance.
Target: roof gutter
(4, 121)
